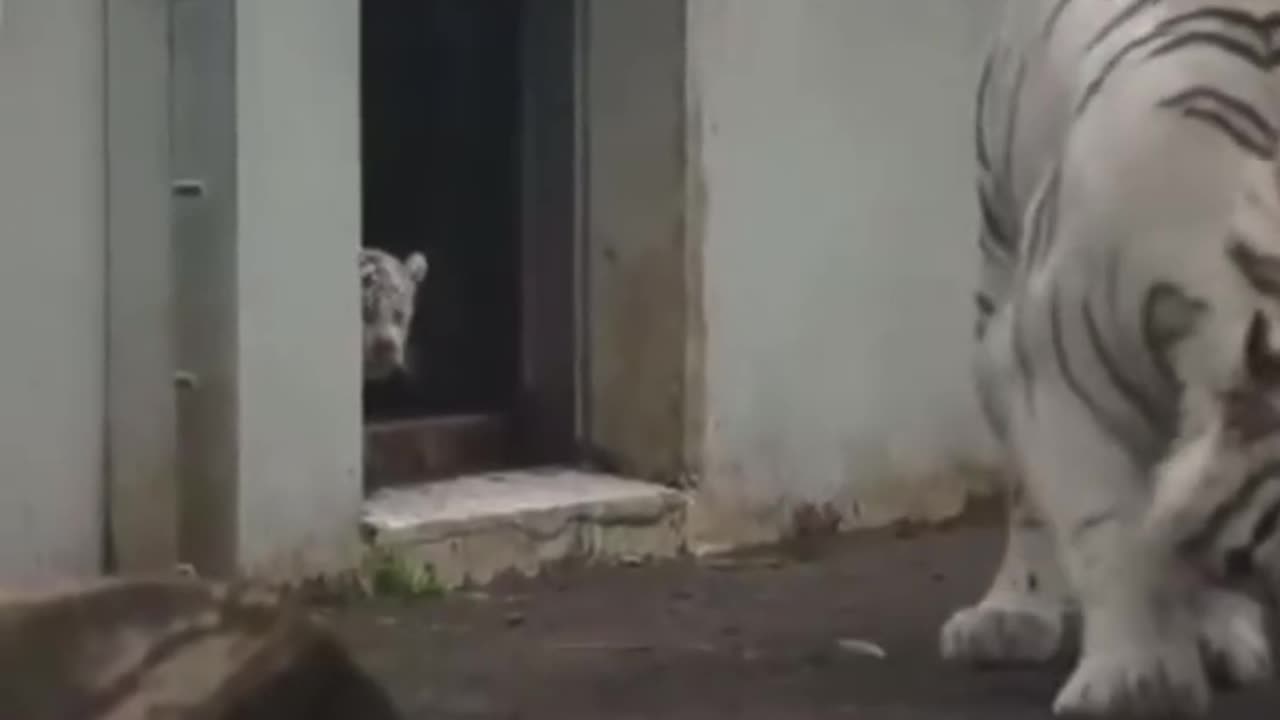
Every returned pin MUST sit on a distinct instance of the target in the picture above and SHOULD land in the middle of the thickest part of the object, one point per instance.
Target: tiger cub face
(388, 291)
(1217, 498)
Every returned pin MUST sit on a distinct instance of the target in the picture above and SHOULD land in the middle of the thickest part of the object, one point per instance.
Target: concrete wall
(297, 71)
(834, 146)
(51, 289)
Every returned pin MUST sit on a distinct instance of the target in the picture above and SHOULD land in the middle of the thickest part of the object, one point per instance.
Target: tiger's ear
(416, 264)
(1261, 361)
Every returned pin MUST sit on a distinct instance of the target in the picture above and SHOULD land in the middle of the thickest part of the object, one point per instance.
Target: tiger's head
(1216, 500)
(389, 289)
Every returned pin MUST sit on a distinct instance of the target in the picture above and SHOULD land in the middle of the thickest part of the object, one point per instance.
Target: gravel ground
(755, 637)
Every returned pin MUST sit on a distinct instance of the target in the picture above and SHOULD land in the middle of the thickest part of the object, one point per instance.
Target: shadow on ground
(753, 639)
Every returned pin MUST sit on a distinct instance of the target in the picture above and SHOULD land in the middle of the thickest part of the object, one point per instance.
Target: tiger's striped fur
(1130, 199)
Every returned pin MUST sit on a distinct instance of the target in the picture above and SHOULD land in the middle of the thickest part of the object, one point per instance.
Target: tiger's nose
(384, 348)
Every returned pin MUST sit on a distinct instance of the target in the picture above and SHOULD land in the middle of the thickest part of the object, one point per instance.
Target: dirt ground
(756, 638)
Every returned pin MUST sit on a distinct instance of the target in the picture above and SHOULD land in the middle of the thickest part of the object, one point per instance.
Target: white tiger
(1130, 197)
(388, 296)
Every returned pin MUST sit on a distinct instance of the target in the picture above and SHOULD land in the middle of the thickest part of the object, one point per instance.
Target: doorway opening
(450, 90)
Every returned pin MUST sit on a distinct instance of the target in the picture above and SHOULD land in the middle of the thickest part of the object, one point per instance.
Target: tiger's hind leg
(1021, 618)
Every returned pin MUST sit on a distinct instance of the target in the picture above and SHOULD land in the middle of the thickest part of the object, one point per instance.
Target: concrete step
(473, 528)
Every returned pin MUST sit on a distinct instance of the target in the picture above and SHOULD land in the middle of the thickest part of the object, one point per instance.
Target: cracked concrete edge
(477, 552)
(545, 521)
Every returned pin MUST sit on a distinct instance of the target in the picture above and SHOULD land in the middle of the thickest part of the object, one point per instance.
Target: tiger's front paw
(1166, 680)
(993, 634)
(1233, 639)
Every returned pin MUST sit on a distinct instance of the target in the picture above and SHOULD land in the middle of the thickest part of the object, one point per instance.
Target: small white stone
(862, 647)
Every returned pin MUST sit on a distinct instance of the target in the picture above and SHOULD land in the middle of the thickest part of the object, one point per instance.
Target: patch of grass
(387, 573)
(382, 573)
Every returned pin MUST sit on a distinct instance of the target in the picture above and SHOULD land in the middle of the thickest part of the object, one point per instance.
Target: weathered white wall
(51, 289)
(298, 232)
(833, 142)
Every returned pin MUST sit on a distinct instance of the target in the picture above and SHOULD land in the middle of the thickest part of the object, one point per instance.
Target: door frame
(613, 218)
(140, 468)
(548, 406)
(643, 206)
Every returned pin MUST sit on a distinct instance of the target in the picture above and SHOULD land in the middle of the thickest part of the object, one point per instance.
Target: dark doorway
(441, 139)
(468, 126)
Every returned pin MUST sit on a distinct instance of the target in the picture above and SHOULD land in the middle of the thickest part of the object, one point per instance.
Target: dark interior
(441, 147)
